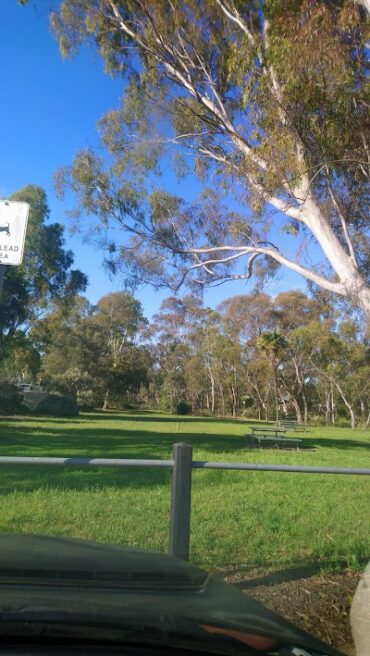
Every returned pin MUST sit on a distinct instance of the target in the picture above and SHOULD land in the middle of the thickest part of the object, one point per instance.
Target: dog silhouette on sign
(5, 229)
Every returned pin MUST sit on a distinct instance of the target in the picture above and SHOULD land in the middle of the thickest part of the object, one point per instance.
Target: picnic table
(256, 430)
(270, 437)
(290, 425)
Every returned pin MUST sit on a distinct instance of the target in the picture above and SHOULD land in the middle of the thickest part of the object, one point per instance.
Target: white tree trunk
(352, 284)
(348, 405)
(327, 408)
(213, 396)
(332, 404)
(106, 400)
(365, 4)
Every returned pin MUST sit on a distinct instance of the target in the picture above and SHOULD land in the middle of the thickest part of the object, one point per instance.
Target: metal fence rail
(84, 462)
(241, 466)
(182, 465)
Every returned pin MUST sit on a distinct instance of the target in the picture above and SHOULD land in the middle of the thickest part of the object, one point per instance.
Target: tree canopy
(92, 351)
(46, 274)
(302, 358)
(267, 103)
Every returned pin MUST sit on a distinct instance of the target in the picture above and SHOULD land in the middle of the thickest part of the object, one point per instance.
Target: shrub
(204, 413)
(10, 399)
(56, 405)
(183, 408)
(317, 420)
(88, 400)
(341, 422)
(250, 413)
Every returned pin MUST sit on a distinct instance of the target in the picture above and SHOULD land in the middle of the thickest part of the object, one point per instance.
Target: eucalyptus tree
(246, 316)
(67, 355)
(273, 345)
(46, 276)
(112, 332)
(177, 332)
(95, 348)
(266, 100)
(21, 361)
(291, 311)
(341, 363)
(259, 382)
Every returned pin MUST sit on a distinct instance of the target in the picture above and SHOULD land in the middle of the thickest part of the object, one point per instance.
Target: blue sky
(49, 110)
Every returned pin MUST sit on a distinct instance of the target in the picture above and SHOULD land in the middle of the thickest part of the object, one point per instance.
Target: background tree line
(254, 355)
(259, 356)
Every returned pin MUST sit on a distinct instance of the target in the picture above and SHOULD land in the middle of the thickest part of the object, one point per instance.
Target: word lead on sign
(13, 226)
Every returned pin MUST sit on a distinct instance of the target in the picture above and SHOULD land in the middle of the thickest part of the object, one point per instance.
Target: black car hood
(67, 584)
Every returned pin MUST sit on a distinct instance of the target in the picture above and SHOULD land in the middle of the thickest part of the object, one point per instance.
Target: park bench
(259, 439)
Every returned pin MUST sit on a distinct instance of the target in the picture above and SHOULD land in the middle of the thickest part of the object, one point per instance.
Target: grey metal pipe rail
(84, 462)
(182, 465)
(247, 466)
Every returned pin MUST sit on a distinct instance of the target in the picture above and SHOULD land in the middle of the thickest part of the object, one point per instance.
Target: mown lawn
(240, 520)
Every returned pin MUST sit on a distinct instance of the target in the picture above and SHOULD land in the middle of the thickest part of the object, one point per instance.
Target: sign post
(13, 226)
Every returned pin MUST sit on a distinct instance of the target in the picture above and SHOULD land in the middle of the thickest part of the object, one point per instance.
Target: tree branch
(178, 77)
(233, 15)
(240, 251)
(283, 206)
(231, 12)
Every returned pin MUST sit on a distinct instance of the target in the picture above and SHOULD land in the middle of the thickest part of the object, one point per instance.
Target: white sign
(13, 226)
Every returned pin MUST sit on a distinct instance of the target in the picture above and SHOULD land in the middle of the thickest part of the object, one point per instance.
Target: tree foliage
(303, 358)
(46, 275)
(269, 102)
(92, 352)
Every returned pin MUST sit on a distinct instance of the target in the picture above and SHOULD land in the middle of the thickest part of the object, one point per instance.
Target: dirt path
(318, 604)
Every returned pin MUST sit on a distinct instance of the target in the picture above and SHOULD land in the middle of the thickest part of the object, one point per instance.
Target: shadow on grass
(303, 571)
(102, 442)
(41, 436)
(79, 437)
(153, 417)
(336, 443)
(83, 441)
(131, 416)
(22, 478)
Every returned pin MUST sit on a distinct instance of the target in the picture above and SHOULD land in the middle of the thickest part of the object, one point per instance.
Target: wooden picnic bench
(256, 440)
(275, 430)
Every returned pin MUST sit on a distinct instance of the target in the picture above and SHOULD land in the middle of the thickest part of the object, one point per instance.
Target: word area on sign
(9, 248)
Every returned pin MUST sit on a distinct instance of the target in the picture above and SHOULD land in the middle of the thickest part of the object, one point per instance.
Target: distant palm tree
(273, 345)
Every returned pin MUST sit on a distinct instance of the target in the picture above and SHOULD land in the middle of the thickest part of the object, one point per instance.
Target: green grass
(240, 520)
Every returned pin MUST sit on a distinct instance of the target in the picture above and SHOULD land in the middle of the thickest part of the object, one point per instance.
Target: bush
(11, 400)
(88, 400)
(56, 405)
(183, 408)
(341, 422)
(204, 413)
(250, 413)
(317, 420)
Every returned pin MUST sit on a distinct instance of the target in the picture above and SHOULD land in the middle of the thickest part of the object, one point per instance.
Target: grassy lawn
(240, 520)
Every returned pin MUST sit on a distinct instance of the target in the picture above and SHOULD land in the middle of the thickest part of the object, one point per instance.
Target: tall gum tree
(45, 276)
(268, 100)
